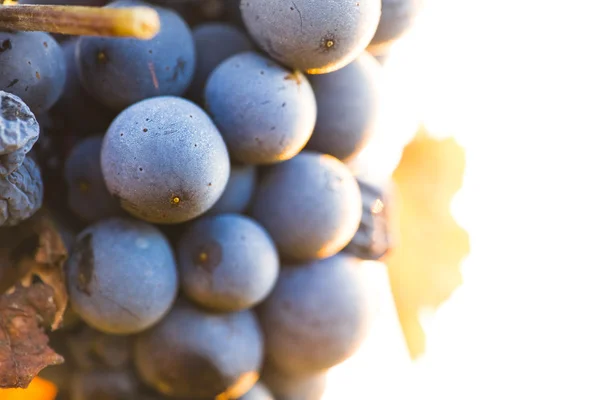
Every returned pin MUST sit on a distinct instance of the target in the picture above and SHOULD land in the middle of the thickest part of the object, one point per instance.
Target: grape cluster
(216, 233)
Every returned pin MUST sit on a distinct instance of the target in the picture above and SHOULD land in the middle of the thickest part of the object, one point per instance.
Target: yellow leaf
(425, 268)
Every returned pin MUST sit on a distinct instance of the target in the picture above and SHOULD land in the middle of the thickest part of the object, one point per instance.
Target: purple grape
(317, 315)
(227, 262)
(311, 206)
(316, 36)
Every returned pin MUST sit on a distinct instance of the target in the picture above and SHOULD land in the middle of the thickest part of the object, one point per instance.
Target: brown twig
(137, 22)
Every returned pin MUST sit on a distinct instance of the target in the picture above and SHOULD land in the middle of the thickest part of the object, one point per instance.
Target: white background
(518, 84)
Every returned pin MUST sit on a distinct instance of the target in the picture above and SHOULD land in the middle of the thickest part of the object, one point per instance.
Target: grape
(191, 353)
(165, 160)
(310, 205)
(120, 72)
(87, 193)
(239, 190)
(258, 392)
(19, 130)
(90, 349)
(373, 238)
(122, 276)
(79, 112)
(348, 104)
(195, 11)
(317, 315)
(265, 113)
(214, 42)
(32, 66)
(21, 193)
(316, 36)
(396, 17)
(104, 385)
(294, 387)
(237, 139)
(227, 262)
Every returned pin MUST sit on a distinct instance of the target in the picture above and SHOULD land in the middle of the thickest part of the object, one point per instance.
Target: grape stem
(136, 22)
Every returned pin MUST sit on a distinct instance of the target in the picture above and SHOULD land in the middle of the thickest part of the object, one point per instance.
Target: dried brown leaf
(35, 247)
(24, 349)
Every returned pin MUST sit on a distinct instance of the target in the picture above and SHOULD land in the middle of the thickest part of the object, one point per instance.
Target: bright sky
(517, 82)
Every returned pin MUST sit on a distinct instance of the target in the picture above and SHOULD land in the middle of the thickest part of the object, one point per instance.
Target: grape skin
(239, 191)
(101, 385)
(285, 386)
(19, 130)
(21, 193)
(180, 164)
(316, 36)
(396, 18)
(317, 315)
(214, 42)
(92, 350)
(121, 276)
(192, 353)
(265, 112)
(348, 101)
(32, 66)
(79, 112)
(88, 196)
(310, 205)
(120, 72)
(227, 262)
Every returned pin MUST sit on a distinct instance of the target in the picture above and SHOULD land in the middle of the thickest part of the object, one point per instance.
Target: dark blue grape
(122, 276)
(285, 386)
(78, 112)
(195, 11)
(348, 101)
(165, 160)
(87, 194)
(239, 190)
(396, 17)
(258, 392)
(21, 193)
(310, 205)
(265, 112)
(314, 36)
(90, 349)
(374, 237)
(317, 315)
(194, 354)
(104, 385)
(215, 42)
(19, 130)
(120, 72)
(227, 262)
(32, 66)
